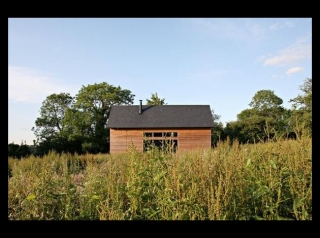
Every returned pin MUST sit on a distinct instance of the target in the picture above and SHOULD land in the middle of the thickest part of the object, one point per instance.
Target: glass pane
(147, 134)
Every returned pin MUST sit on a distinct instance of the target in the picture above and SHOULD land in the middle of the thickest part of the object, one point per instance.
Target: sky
(221, 62)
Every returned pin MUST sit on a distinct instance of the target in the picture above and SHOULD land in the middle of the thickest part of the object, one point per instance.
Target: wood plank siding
(188, 138)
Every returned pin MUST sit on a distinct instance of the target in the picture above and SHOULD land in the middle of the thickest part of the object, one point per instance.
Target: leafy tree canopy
(304, 101)
(155, 100)
(264, 100)
(91, 110)
(52, 113)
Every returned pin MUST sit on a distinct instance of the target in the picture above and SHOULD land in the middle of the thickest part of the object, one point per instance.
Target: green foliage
(92, 108)
(68, 124)
(302, 108)
(264, 100)
(265, 181)
(266, 120)
(217, 132)
(78, 124)
(52, 113)
(98, 98)
(12, 149)
(155, 100)
(304, 101)
(18, 151)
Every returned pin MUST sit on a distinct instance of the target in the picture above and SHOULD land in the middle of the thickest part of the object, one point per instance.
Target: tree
(18, 151)
(78, 124)
(302, 108)
(23, 151)
(267, 108)
(155, 100)
(50, 124)
(265, 119)
(91, 111)
(217, 133)
(52, 113)
(267, 104)
(232, 131)
(264, 100)
(12, 150)
(304, 101)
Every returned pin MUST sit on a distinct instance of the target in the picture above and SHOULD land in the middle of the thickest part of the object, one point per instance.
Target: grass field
(263, 181)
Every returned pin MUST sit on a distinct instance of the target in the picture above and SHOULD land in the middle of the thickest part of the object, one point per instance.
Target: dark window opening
(170, 134)
(163, 145)
(160, 134)
(160, 140)
(170, 145)
(158, 143)
(148, 134)
(146, 145)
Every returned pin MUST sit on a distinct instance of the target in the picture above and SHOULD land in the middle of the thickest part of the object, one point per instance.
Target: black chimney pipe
(140, 107)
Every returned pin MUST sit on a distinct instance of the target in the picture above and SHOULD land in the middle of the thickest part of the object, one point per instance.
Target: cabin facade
(174, 127)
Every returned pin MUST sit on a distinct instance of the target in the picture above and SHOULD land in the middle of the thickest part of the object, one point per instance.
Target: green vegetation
(78, 124)
(262, 181)
(155, 100)
(259, 167)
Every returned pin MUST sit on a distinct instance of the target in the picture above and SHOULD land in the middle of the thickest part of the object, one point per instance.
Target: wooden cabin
(181, 127)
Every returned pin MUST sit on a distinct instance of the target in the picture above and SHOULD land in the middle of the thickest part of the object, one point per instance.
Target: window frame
(160, 140)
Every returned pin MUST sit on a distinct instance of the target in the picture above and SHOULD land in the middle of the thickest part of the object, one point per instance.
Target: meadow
(262, 181)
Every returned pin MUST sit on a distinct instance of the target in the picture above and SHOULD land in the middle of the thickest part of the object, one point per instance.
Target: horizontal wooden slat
(188, 139)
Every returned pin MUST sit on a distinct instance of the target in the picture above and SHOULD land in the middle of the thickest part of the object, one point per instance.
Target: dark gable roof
(164, 116)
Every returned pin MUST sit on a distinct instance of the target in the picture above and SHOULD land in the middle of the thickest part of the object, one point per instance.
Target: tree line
(78, 124)
(268, 120)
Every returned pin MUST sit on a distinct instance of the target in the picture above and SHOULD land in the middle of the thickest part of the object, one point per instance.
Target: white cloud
(291, 54)
(29, 86)
(294, 70)
(283, 59)
(277, 26)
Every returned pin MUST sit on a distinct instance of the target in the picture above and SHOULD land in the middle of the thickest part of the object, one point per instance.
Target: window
(160, 140)
(148, 134)
(157, 134)
(160, 134)
(170, 134)
(164, 145)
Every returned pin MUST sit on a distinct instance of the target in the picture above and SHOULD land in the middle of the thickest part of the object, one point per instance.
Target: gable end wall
(188, 138)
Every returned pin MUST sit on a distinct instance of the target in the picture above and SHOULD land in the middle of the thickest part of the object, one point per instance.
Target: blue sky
(221, 62)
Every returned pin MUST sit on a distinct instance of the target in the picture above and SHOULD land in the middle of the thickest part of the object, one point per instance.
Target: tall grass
(264, 181)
